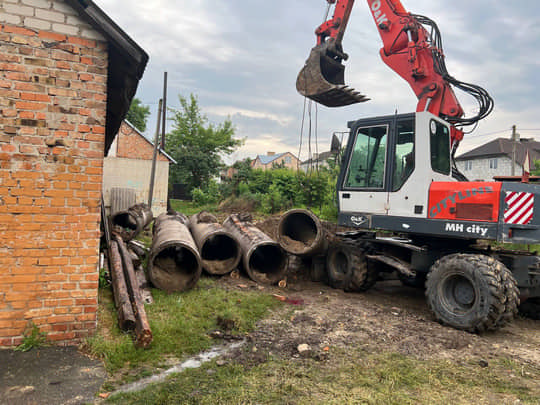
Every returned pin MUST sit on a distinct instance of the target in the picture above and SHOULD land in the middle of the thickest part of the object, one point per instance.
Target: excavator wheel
(472, 292)
(347, 266)
(531, 308)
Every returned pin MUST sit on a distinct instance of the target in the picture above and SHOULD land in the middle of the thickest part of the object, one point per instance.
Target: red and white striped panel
(519, 207)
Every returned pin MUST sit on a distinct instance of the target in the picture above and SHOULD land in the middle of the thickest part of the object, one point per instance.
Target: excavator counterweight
(322, 80)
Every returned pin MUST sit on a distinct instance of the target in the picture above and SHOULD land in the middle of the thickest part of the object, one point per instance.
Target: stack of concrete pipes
(182, 247)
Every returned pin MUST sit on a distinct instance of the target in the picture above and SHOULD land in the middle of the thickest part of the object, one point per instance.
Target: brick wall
(53, 75)
(130, 144)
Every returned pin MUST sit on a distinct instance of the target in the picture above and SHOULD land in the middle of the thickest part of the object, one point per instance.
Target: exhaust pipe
(264, 260)
(174, 263)
(131, 222)
(301, 233)
(219, 250)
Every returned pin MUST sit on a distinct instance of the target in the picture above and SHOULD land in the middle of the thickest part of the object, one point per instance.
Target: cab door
(364, 180)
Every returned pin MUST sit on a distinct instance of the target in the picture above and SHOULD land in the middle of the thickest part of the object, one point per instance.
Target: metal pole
(154, 157)
(513, 150)
(163, 126)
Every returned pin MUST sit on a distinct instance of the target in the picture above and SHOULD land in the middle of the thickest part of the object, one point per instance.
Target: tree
(138, 114)
(197, 145)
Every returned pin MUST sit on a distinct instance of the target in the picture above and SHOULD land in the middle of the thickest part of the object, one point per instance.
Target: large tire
(347, 266)
(472, 292)
(531, 308)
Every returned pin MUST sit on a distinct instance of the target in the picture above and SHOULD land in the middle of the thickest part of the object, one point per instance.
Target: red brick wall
(52, 125)
(132, 145)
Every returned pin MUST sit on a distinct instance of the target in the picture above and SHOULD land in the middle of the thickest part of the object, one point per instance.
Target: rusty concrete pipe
(219, 250)
(174, 263)
(301, 233)
(131, 222)
(264, 260)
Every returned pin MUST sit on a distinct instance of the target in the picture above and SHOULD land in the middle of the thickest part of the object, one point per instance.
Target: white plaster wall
(481, 171)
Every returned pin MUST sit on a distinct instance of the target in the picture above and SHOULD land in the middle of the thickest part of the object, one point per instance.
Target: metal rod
(163, 125)
(154, 158)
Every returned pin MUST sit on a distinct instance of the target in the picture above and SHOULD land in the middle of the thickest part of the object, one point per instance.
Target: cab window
(404, 154)
(440, 147)
(368, 158)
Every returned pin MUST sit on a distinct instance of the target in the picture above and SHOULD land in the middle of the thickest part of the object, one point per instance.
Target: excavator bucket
(322, 80)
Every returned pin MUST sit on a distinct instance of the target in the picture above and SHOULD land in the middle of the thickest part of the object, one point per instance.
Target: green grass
(180, 323)
(347, 377)
(190, 208)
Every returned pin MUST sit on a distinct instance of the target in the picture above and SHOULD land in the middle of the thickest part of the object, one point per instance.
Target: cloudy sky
(241, 59)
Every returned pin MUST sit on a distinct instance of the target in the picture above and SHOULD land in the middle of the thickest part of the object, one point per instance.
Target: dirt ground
(389, 317)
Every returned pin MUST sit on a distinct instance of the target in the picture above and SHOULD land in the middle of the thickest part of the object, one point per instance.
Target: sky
(241, 59)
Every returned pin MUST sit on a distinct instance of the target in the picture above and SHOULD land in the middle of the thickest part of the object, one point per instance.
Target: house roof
(323, 156)
(150, 142)
(266, 159)
(127, 61)
(503, 147)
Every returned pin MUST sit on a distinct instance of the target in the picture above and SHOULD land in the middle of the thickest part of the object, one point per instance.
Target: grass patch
(347, 377)
(190, 208)
(179, 322)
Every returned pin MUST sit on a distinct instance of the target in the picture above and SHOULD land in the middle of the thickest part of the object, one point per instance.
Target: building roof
(503, 147)
(266, 159)
(127, 61)
(321, 157)
(150, 142)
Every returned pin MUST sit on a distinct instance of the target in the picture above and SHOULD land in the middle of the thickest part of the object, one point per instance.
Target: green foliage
(281, 189)
(208, 195)
(138, 114)
(33, 338)
(536, 170)
(197, 145)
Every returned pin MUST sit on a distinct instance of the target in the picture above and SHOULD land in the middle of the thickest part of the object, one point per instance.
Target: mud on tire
(347, 266)
(472, 292)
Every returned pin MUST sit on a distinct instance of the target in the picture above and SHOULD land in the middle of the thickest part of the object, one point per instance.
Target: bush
(210, 195)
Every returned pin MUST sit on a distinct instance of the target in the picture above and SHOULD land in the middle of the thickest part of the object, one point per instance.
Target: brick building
(67, 76)
(128, 165)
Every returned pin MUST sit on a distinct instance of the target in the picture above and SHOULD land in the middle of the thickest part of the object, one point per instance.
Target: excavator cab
(322, 79)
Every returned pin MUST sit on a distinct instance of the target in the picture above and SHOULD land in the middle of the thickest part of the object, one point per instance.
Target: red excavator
(398, 175)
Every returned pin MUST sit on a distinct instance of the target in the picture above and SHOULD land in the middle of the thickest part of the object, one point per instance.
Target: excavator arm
(409, 49)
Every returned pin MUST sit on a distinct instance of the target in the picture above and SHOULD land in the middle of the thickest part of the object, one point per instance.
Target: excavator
(413, 212)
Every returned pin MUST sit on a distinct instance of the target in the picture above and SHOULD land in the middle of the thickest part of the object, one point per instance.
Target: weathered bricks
(53, 75)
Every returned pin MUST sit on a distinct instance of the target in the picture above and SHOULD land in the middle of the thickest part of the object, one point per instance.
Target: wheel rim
(459, 294)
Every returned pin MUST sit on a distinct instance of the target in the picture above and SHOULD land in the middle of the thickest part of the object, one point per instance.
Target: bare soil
(389, 317)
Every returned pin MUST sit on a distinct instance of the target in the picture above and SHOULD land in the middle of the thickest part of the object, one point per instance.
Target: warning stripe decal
(519, 207)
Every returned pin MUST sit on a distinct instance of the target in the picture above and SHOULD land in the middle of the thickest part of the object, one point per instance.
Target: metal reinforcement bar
(301, 233)
(129, 223)
(174, 263)
(219, 250)
(264, 260)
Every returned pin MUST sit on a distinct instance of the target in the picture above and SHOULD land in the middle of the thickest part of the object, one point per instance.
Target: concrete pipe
(264, 260)
(131, 222)
(301, 233)
(219, 250)
(174, 263)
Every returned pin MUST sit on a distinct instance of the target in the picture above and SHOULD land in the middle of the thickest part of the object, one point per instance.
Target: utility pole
(515, 137)
(154, 157)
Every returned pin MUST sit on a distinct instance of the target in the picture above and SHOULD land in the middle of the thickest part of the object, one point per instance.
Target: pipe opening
(125, 221)
(175, 268)
(300, 227)
(269, 260)
(220, 254)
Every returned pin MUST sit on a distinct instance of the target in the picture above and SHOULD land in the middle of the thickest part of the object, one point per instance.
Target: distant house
(495, 159)
(272, 159)
(317, 161)
(128, 165)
